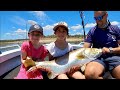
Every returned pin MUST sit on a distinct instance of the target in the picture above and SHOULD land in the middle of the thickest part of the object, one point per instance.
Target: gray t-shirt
(56, 52)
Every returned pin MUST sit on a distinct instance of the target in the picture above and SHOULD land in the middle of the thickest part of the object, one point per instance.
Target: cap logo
(36, 26)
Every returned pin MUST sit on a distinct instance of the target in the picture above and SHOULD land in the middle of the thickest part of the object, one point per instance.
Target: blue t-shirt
(104, 38)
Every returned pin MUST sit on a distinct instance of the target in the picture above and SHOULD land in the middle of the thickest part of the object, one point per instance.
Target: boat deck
(11, 74)
(10, 68)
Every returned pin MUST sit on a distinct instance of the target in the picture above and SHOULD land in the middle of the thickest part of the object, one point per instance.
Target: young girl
(32, 50)
(61, 47)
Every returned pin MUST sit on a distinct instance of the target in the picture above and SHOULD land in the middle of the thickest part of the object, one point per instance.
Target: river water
(6, 46)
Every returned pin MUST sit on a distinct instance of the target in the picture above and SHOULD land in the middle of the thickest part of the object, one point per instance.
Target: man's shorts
(109, 63)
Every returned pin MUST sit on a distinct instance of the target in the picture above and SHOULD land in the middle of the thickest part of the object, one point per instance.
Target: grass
(43, 40)
(70, 40)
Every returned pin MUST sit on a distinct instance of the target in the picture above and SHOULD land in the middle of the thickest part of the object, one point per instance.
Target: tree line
(48, 36)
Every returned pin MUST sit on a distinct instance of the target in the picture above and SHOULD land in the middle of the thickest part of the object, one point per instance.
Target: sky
(15, 24)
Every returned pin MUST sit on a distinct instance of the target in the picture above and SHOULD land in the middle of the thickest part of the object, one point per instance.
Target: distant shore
(75, 40)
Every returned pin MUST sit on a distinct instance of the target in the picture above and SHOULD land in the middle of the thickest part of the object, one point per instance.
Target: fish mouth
(100, 53)
(93, 53)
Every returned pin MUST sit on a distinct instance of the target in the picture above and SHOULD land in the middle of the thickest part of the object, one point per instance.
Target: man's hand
(105, 50)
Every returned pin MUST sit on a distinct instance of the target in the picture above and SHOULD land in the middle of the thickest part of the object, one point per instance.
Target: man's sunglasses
(99, 17)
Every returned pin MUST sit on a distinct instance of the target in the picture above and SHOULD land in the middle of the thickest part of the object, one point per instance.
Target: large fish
(64, 63)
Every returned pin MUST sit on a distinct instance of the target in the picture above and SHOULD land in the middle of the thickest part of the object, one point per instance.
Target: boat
(9, 58)
(10, 61)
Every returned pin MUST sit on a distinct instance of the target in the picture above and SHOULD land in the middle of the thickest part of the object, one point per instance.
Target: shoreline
(43, 41)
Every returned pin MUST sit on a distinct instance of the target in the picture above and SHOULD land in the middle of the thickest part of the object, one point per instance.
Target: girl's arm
(23, 57)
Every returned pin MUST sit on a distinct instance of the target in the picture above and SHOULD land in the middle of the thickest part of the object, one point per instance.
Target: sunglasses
(99, 17)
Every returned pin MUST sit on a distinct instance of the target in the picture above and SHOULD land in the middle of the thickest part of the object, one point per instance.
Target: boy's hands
(73, 69)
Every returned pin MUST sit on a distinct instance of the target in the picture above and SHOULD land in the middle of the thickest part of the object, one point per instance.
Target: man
(107, 37)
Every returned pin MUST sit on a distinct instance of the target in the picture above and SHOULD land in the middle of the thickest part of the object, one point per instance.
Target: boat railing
(9, 58)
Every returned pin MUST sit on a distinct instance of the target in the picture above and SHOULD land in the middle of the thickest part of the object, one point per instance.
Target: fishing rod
(26, 31)
(81, 15)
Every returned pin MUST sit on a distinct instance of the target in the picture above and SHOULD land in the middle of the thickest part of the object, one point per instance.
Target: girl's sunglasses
(99, 17)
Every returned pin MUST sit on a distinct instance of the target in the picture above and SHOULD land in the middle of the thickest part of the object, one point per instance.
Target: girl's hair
(63, 25)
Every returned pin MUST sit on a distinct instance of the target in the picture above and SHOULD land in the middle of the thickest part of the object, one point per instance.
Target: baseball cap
(36, 27)
(63, 24)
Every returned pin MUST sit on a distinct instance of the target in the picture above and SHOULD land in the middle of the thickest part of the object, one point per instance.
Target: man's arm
(117, 49)
(89, 39)
(87, 45)
(114, 50)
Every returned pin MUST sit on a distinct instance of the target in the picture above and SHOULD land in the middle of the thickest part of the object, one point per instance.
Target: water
(6, 46)
(9, 46)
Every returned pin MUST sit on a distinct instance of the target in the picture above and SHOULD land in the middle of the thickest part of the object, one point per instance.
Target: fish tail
(51, 75)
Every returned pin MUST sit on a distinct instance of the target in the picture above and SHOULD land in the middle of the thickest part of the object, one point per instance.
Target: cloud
(90, 25)
(7, 33)
(115, 23)
(77, 33)
(76, 27)
(18, 34)
(48, 29)
(31, 22)
(19, 20)
(10, 34)
(39, 15)
(42, 17)
(74, 30)
(20, 31)
(79, 27)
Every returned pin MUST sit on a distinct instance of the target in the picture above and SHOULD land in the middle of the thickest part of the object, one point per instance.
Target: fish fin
(83, 67)
(51, 75)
